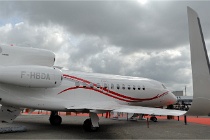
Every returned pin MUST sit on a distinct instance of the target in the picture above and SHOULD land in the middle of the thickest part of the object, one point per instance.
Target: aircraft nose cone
(172, 98)
(175, 100)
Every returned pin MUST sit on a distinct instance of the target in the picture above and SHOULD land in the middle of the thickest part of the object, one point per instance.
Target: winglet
(200, 67)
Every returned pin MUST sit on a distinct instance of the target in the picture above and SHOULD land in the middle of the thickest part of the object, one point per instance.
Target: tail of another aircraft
(200, 67)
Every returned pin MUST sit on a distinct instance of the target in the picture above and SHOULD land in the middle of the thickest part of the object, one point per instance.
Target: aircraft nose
(172, 97)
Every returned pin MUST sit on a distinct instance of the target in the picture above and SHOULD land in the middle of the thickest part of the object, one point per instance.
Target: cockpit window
(164, 86)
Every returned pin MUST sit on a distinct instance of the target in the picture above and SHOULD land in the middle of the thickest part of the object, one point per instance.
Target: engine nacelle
(31, 76)
(13, 56)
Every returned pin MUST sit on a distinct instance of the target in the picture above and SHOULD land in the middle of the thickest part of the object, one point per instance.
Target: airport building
(183, 102)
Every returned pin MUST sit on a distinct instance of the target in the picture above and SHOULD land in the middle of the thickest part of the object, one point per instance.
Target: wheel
(154, 119)
(87, 126)
(55, 120)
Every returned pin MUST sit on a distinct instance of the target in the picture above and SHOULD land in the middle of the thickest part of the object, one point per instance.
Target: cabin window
(112, 86)
(129, 87)
(98, 85)
(91, 85)
(134, 88)
(77, 84)
(105, 85)
(118, 86)
(139, 88)
(123, 86)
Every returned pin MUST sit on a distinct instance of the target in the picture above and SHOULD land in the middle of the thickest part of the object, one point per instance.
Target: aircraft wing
(116, 107)
(149, 110)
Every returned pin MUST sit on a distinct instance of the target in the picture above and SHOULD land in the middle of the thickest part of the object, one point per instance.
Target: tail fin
(200, 67)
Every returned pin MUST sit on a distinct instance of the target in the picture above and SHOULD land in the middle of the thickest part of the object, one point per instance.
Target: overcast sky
(145, 39)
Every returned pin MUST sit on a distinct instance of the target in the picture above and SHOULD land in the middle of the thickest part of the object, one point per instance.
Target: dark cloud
(126, 24)
(116, 37)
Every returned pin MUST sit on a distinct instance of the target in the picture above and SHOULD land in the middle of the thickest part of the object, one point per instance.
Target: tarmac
(38, 127)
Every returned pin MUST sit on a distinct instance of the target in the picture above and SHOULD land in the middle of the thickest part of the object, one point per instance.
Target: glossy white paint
(31, 76)
(81, 92)
(68, 95)
(200, 67)
(15, 56)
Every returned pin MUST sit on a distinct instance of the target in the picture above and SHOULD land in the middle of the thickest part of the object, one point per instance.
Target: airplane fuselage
(82, 88)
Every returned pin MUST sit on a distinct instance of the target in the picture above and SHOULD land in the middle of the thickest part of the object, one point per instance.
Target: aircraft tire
(55, 120)
(87, 126)
(154, 119)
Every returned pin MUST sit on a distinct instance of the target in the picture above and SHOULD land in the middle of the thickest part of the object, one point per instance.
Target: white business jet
(28, 79)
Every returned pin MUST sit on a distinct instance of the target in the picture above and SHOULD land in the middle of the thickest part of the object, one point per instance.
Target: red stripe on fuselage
(120, 96)
(88, 88)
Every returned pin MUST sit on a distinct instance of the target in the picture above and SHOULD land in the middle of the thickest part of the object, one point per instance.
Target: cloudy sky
(145, 38)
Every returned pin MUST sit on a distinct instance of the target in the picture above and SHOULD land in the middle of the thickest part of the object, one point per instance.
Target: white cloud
(115, 37)
(6, 28)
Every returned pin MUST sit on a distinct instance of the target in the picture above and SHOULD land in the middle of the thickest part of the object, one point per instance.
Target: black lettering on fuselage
(23, 73)
(35, 75)
(32, 75)
(43, 76)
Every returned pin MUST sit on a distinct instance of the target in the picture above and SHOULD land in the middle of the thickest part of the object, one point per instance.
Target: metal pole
(185, 119)
(147, 123)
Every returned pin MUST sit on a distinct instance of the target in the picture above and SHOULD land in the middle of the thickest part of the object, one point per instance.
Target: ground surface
(38, 127)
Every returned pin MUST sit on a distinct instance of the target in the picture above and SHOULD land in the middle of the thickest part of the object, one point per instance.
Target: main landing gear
(91, 124)
(153, 118)
(55, 119)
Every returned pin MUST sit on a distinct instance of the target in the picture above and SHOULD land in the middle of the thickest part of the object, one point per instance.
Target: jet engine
(13, 56)
(31, 76)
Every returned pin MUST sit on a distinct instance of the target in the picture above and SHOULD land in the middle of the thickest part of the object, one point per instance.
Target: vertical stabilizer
(200, 67)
